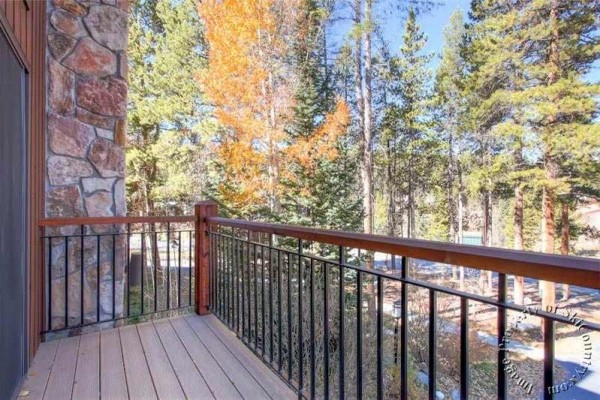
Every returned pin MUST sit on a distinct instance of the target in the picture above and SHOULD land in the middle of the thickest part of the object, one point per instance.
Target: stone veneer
(86, 122)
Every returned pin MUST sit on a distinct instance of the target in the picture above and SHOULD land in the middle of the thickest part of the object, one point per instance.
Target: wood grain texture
(219, 383)
(235, 370)
(203, 211)
(270, 382)
(165, 359)
(112, 379)
(191, 380)
(137, 373)
(87, 375)
(47, 222)
(62, 376)
(556, 268)
(37, 377)
(166, 382)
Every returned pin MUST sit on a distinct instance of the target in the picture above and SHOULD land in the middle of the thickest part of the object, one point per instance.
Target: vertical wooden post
(203, 210)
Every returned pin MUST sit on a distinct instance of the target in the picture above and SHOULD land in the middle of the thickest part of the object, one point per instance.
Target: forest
(302, 112)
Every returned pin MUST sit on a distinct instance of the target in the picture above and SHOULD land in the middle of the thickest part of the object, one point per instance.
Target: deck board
(237, 372)
(219, 383)
(183, 357)
(87, 375)
(137, 373)
(270, 382)
(62, 376)
(113, 384)
(166, 382)
(192, 382)
(37, 377)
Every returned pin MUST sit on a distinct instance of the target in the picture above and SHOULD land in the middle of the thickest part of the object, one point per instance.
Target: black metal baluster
(156, 257)
(271, 348)
(313, 368)
(248, 289)
(432, 343)
(66, 281)
(231, 280)
(501, 323)
(143, 237)
(279, 313)
(213, 269)
(359, 336)
(379, 337)
(128, 268)
(255, 297)
(220, 302)
(342, 347)
(238, 269)
(81, 283)
(49, 283)
(548, 387)
(243, 283)
(179, 266)
(404, 332)
(262, 296)
(464, 348)
(97, 278)
(289, 315)
(190, 274)
(114, 283)
(300, 320)
(226, 276)
(168, 266)
(220, 276)
(326, 331)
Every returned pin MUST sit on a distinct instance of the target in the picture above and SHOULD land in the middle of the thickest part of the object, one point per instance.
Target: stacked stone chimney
(85, 139)
(87, 104)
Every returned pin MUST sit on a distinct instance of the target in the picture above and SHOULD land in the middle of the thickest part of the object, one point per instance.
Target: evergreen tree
(165, 52)
(326, 196)
(406, 127)
(449, 110)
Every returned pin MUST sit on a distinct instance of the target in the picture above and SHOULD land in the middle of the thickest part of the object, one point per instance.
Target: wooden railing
(310, 302)
(109, 269)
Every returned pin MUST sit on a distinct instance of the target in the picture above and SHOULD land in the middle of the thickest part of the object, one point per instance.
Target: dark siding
(13, 229)
(24, 22)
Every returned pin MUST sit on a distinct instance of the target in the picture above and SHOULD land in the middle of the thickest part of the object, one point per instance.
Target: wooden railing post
(202, 211)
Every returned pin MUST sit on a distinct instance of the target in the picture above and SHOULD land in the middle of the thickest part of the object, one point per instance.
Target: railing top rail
(49, 222)
(572, 270)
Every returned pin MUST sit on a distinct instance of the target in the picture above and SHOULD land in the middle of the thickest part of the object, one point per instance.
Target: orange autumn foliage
(252, 87)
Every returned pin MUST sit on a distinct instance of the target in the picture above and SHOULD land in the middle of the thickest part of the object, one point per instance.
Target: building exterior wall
(24, 22)
(85, 138)
(87, 104)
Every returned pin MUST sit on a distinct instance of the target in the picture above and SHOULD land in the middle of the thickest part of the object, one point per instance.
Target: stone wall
(86, 123)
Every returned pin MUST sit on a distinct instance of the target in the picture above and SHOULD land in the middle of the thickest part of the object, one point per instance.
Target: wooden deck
(184, 357)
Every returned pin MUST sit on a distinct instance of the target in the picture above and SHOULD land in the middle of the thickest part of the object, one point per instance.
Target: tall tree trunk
(548, 196)
(518, 245)
(460, 222)
(564, 244)
(368, 123)
(451, 177)
(411, 202)
(391, 186)
(490, 203)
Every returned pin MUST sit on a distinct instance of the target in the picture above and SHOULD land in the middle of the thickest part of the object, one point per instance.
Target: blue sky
(433, 24)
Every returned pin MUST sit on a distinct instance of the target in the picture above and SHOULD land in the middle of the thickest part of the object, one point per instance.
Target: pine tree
(165, 52)
(449, 112)
(406, 119)
(563, 104)
(310, 192)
